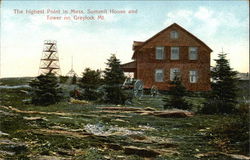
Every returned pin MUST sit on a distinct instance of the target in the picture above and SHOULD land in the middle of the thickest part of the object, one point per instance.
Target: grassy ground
(75, 131)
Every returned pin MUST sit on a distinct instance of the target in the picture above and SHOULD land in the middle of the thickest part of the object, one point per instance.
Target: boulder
(173, 114)
(119, 120)
(35, 118)
(3, 134)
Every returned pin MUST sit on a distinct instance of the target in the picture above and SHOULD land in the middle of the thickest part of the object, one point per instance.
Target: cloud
(203, 13)
(218, 29)
(180, 16)
(204, 20)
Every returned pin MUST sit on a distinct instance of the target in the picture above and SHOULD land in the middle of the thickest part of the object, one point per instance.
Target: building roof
(129, 67)
(141, 44)
(137, 44)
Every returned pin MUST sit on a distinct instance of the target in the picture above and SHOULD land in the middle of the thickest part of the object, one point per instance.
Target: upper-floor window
(193, 76)
(175, 53)
(193, 53)
(174, 73)
(174, 35)
(159, 53)
(159, 76)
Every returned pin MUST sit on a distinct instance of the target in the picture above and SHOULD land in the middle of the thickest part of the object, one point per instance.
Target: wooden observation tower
(50, 60)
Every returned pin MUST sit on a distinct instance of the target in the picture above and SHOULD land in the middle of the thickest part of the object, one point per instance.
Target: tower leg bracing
(50, 59)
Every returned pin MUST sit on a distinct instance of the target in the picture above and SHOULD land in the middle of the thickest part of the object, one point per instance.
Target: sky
(219, 24)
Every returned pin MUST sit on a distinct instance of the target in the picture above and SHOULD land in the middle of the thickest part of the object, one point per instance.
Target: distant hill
(15, 81)
(243, 76)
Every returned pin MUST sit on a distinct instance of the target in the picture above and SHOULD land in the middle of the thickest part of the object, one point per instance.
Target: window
(159, 53)
(159, 75)
(193, 53)
(193, 76)
(174, 72)
(175, 53)
(174, 35)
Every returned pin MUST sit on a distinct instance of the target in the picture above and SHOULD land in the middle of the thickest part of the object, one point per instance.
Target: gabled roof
(174, 24)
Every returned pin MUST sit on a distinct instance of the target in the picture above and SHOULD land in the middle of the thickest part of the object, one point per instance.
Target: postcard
(124, 79)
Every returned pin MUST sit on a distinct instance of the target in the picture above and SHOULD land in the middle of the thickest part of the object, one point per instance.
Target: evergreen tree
(74, 79)
(113, 79)
(90, 81)
(113, 74)
(45, 90)
(63, 79)
(224, 86)
(177, 92)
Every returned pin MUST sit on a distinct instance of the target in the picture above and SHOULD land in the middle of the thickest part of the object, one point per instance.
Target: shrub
(45, 90)
(177, 92)
(63, 79)
(90, 82)
(235, 132)
(115, 95)
(113, 78)
(216, 106)
(224, 88)
(74, 79)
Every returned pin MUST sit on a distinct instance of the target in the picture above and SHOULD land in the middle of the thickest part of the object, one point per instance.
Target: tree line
(107, 88)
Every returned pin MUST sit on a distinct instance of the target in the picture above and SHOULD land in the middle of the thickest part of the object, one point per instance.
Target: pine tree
(224, 85)
(113, 74)
(177, 92)
(113, 79)
(74, 79)
(45, 90)
(63, 79)
(90, 81)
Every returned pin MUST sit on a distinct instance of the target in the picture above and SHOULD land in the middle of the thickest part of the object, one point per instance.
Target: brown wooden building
(173, 51)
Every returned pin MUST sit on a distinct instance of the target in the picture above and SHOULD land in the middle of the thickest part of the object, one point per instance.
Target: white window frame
(175, 56)
(193, 53)
(159, 53)
(193, 76)
(157, 72)
(174, 35)
(174, 72)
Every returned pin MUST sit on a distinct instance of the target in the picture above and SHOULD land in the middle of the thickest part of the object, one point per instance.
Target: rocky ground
(105, 132)
(82, 130)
